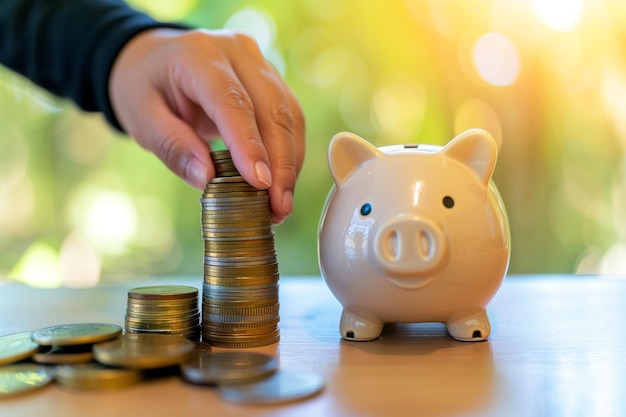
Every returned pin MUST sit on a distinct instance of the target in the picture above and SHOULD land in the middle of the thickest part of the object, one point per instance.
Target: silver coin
(228, 367)
(282, 387)
(20, 378)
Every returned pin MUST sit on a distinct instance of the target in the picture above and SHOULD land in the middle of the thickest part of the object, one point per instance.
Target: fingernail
(197, 173)
(287, 203)
(262, 172)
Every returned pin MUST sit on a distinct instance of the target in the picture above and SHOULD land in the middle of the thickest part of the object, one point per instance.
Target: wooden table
(557, 348)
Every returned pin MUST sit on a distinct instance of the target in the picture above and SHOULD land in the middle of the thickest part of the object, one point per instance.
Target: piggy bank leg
(353, 327)
(470, 328)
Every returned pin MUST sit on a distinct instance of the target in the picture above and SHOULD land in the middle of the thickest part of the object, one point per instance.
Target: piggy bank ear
(346, 153)
(476, 149)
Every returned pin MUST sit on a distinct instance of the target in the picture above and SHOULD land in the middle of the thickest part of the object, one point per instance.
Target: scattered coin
(282, 387)
(19, 378)
(15, 347)
(227, 367)
(76, 334)
(65, 355)
(96, 376)
(144, 351)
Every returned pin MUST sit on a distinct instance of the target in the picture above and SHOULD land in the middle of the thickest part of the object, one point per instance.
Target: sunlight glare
(560, 15)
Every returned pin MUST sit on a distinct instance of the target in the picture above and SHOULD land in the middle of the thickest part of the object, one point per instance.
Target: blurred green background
(81, 204)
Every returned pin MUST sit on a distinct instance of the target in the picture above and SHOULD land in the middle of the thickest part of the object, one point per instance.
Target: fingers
(172, 90)
(210, 81)
(259, 119)
(281, 126)
(177, 146)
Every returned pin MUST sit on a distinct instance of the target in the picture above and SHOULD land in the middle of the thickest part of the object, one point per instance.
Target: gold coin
(240, 281)
(163, 309)
(242, 271)
(229, 187)
(255, 311)
(76, 334)
(238, 319)
(17, 346)
(219, 325)
(163, 292)
(158, 325)
(243, 344)
(65, 355)
(96, 376)
(269, 254)
(19, 378)
(183, 304)
(144, 351)
(165, 318)
(217, 196)
(270, 333)
(236, 331)
(190, 334)
(221, 180)
(234, 264)
(247, 303)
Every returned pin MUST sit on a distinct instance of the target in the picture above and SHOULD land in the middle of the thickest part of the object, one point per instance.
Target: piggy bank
(414, 233)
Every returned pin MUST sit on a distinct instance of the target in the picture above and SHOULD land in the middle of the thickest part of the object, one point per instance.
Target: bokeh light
(560, 15)
(107, 219)
(81, 204)
(496, 59)
(39, 267)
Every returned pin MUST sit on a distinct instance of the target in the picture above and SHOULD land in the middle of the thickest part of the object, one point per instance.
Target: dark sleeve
(69, 46)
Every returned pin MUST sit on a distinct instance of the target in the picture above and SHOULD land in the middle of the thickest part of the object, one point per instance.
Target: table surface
(557, 348)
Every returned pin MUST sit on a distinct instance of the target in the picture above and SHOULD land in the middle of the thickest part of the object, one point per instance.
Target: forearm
(69, 46)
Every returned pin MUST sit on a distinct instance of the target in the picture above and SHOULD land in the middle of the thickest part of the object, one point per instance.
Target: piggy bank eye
(366, 209)
(448, 202)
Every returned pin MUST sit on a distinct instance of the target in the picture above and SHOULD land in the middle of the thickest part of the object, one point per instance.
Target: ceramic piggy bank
(414, 233)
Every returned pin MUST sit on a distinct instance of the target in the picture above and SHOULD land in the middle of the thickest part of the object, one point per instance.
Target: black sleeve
(69, 46)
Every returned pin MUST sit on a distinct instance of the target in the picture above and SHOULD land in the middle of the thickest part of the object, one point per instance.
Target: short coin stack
(164, 309)
(240, 306)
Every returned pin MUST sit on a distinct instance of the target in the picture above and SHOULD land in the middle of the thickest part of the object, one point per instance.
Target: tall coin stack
(240, 306)
(164, 309)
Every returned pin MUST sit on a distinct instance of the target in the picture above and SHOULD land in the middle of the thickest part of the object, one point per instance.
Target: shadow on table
(416, 369)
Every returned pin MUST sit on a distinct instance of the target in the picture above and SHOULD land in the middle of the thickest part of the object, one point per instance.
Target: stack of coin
(164, 309)
(240, 292)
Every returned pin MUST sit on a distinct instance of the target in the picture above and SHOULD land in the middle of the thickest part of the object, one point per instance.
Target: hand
(175, 90)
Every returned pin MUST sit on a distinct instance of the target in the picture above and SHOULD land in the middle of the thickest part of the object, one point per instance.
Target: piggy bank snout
(409, 245)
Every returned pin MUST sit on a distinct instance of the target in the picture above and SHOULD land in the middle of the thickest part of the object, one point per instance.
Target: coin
(239, 255)
(159, 292)
(144, 351)
(96, 376)
(15, 347)
(235, 343)
(227, 367)
(76, 334)
(282, 387)
(19, 378)
(65, 355)
(166, 309)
